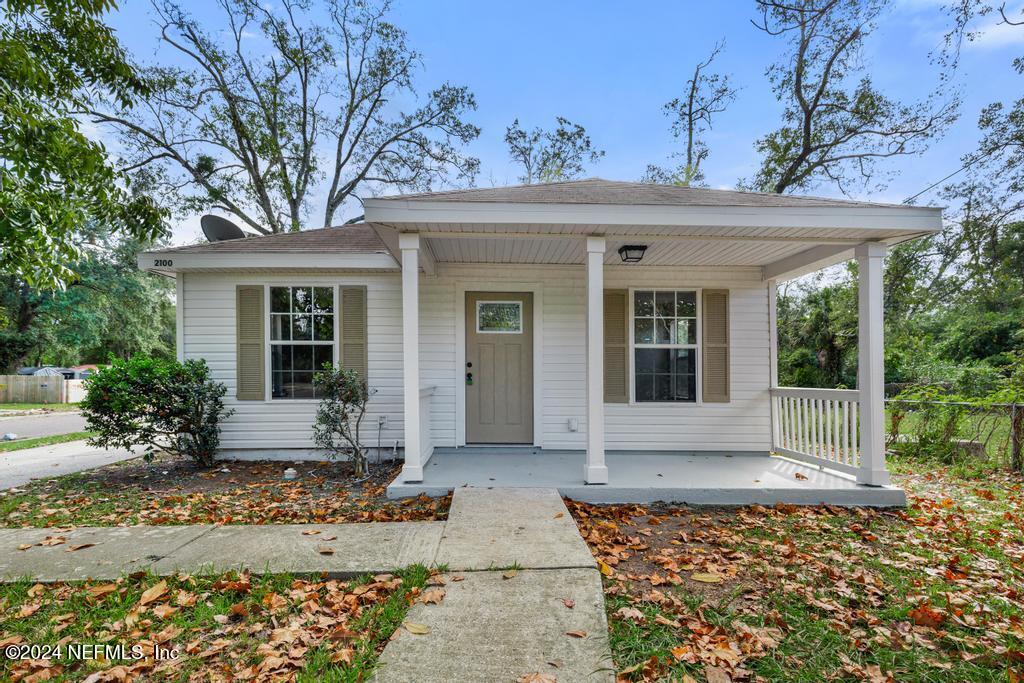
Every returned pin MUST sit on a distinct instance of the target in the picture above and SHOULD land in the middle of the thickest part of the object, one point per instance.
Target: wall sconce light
(632, 253)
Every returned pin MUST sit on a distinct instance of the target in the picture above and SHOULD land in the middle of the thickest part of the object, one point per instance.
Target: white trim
(412, 470)
(871, 364)
(596, 469)
(699, 401)
(519, 325)
(268, 343)
(477, 285)
(398, 210)
(172, 262)
(179, 316)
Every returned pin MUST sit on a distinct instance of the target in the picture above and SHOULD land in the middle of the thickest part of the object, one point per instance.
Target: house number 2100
(163, 262)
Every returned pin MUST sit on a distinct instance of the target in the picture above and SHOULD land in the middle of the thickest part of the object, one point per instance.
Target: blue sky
(612, 65)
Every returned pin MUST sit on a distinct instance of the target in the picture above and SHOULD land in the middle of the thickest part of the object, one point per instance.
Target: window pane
(302, 357)
(650, 361)
(684, 373)
(666, 374)
(643, 304)
(323, 299)
(279, 299)
(302, 327)
(280, 327)
(323, 327)
(662, 387)
(645, 387)
(503, 316)
(644, 330)
(302, 300)
(686, 304)
(663, 331)
(322, 355)
(278, 384)
(665, 304)
(302, 385)
(280, 357)
(686, 331)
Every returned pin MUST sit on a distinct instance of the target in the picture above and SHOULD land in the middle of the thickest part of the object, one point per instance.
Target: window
(499, 317)
(301, 338)
(665, 346)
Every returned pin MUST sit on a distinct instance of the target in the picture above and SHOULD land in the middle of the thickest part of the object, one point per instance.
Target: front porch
(646, 477)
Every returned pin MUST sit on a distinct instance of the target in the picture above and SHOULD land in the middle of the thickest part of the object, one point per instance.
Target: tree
(276, 100)
(550, 156)
(836, 124)
(707, 94)
(56, 56)
(110, 308)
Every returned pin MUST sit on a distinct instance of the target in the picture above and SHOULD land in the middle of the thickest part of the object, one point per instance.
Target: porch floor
(646, 477)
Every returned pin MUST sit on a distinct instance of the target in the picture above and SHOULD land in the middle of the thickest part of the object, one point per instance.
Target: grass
(927, 594)
(222, 626)
(21, 444)
(58, 407)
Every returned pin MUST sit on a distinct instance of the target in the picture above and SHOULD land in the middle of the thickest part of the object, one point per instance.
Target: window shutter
(616, 346)
(715, 351)
(353, 330)
(251, 343)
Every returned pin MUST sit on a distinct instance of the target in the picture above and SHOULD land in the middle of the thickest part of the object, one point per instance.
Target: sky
(611, 66)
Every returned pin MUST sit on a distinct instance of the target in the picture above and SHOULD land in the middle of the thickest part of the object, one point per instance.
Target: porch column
(409, 244)
(595, 472)
(871, 365)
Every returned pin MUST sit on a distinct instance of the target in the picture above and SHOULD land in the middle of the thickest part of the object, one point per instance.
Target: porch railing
(426, 444)
(817, 426)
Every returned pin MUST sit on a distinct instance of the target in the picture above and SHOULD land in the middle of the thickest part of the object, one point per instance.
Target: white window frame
(270, 343)
(519, 306)
(697, 291)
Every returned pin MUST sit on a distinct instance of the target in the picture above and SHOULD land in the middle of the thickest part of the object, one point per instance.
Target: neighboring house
(580, 317)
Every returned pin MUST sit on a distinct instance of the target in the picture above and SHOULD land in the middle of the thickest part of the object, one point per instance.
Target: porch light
(632, 253)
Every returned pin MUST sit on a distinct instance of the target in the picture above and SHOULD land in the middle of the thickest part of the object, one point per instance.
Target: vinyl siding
(740, 425)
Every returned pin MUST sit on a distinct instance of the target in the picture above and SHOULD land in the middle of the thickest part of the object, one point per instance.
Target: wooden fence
(32, 389)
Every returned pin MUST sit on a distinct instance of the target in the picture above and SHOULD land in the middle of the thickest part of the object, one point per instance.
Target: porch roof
(784, 235)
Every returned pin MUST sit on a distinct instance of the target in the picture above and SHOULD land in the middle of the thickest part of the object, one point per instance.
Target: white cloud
(996, 34)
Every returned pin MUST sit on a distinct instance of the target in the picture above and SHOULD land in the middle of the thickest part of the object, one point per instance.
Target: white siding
(741, 425)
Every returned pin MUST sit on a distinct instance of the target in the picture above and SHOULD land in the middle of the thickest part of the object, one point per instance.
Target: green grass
(21, 444)
(58, 407)
(68, 613)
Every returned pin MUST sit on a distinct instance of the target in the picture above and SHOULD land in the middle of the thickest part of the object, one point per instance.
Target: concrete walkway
(42, 424)
(494, 623)
(20, 467)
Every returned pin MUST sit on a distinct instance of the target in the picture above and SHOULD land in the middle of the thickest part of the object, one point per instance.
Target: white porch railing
(817, 426)
(426, 444)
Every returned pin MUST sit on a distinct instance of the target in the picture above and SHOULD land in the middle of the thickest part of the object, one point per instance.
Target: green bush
(162, 405)
(343, 398)
(931, 418)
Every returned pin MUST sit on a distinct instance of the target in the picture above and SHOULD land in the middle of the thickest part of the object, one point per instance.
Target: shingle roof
(343, 239)
(600, 191)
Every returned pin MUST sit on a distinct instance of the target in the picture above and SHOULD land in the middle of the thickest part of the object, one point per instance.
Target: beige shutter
(715, 351)
(616, 346)
(251, 343)
(353, 330)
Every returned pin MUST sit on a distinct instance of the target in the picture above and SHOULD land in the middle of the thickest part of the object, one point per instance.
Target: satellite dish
(218, 229)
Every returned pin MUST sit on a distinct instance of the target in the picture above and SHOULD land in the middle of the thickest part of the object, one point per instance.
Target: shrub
(343, 398)
(162, 405)
(933, 420)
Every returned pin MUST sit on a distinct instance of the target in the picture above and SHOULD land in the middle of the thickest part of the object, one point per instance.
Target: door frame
(475, 285)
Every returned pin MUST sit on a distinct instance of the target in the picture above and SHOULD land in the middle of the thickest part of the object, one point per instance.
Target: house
(614, 339)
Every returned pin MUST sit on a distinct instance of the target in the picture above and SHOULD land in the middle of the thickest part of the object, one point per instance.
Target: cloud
(997, 34)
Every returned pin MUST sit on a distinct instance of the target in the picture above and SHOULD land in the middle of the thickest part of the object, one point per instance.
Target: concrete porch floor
(646, 477)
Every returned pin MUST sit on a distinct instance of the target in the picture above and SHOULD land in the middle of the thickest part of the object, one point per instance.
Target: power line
(967, 165)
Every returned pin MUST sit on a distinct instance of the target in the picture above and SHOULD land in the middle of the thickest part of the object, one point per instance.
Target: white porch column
(409, 244)
(871, 365)
(595, 472)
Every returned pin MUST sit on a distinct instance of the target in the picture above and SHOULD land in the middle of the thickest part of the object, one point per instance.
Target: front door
(499, 367)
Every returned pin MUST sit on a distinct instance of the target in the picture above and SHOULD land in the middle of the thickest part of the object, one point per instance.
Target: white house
(613, 339)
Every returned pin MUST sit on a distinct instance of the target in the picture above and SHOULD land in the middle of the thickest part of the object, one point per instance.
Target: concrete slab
(489, 628)
(21, 467)
(495, 528)
(646, 477)
(116, 550)
(357, 548)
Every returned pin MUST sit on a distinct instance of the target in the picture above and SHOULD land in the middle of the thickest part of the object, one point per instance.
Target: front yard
(233, 627)
(173, 491)
(932, 593)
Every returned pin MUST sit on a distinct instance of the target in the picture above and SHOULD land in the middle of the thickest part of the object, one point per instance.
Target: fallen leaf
(24, 546)
(704, 577)
(605, 569)
(559, 515)
(52, 540)
(800, 476)
(568, 603)
(101, 590)
(164, 611)
(433, 597)
(414, 628)
(310, 532)
(576, 634)
(324, 550)
(510, 574)
(153, 593)
(537, 678)
(80, 546)
(716, 674)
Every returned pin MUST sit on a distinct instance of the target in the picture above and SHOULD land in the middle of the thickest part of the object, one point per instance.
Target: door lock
(469, 378)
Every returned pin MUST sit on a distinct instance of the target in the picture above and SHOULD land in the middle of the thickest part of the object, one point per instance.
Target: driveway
(20, 467)
(47, 424)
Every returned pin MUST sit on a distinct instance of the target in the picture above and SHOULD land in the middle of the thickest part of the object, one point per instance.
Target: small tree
(162, 405)
(343, 397)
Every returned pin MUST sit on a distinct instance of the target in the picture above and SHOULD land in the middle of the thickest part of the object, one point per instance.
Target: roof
(342, 239)
(600, 191)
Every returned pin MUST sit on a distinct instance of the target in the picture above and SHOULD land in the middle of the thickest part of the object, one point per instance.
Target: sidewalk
(495, 623)
(20, 467)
